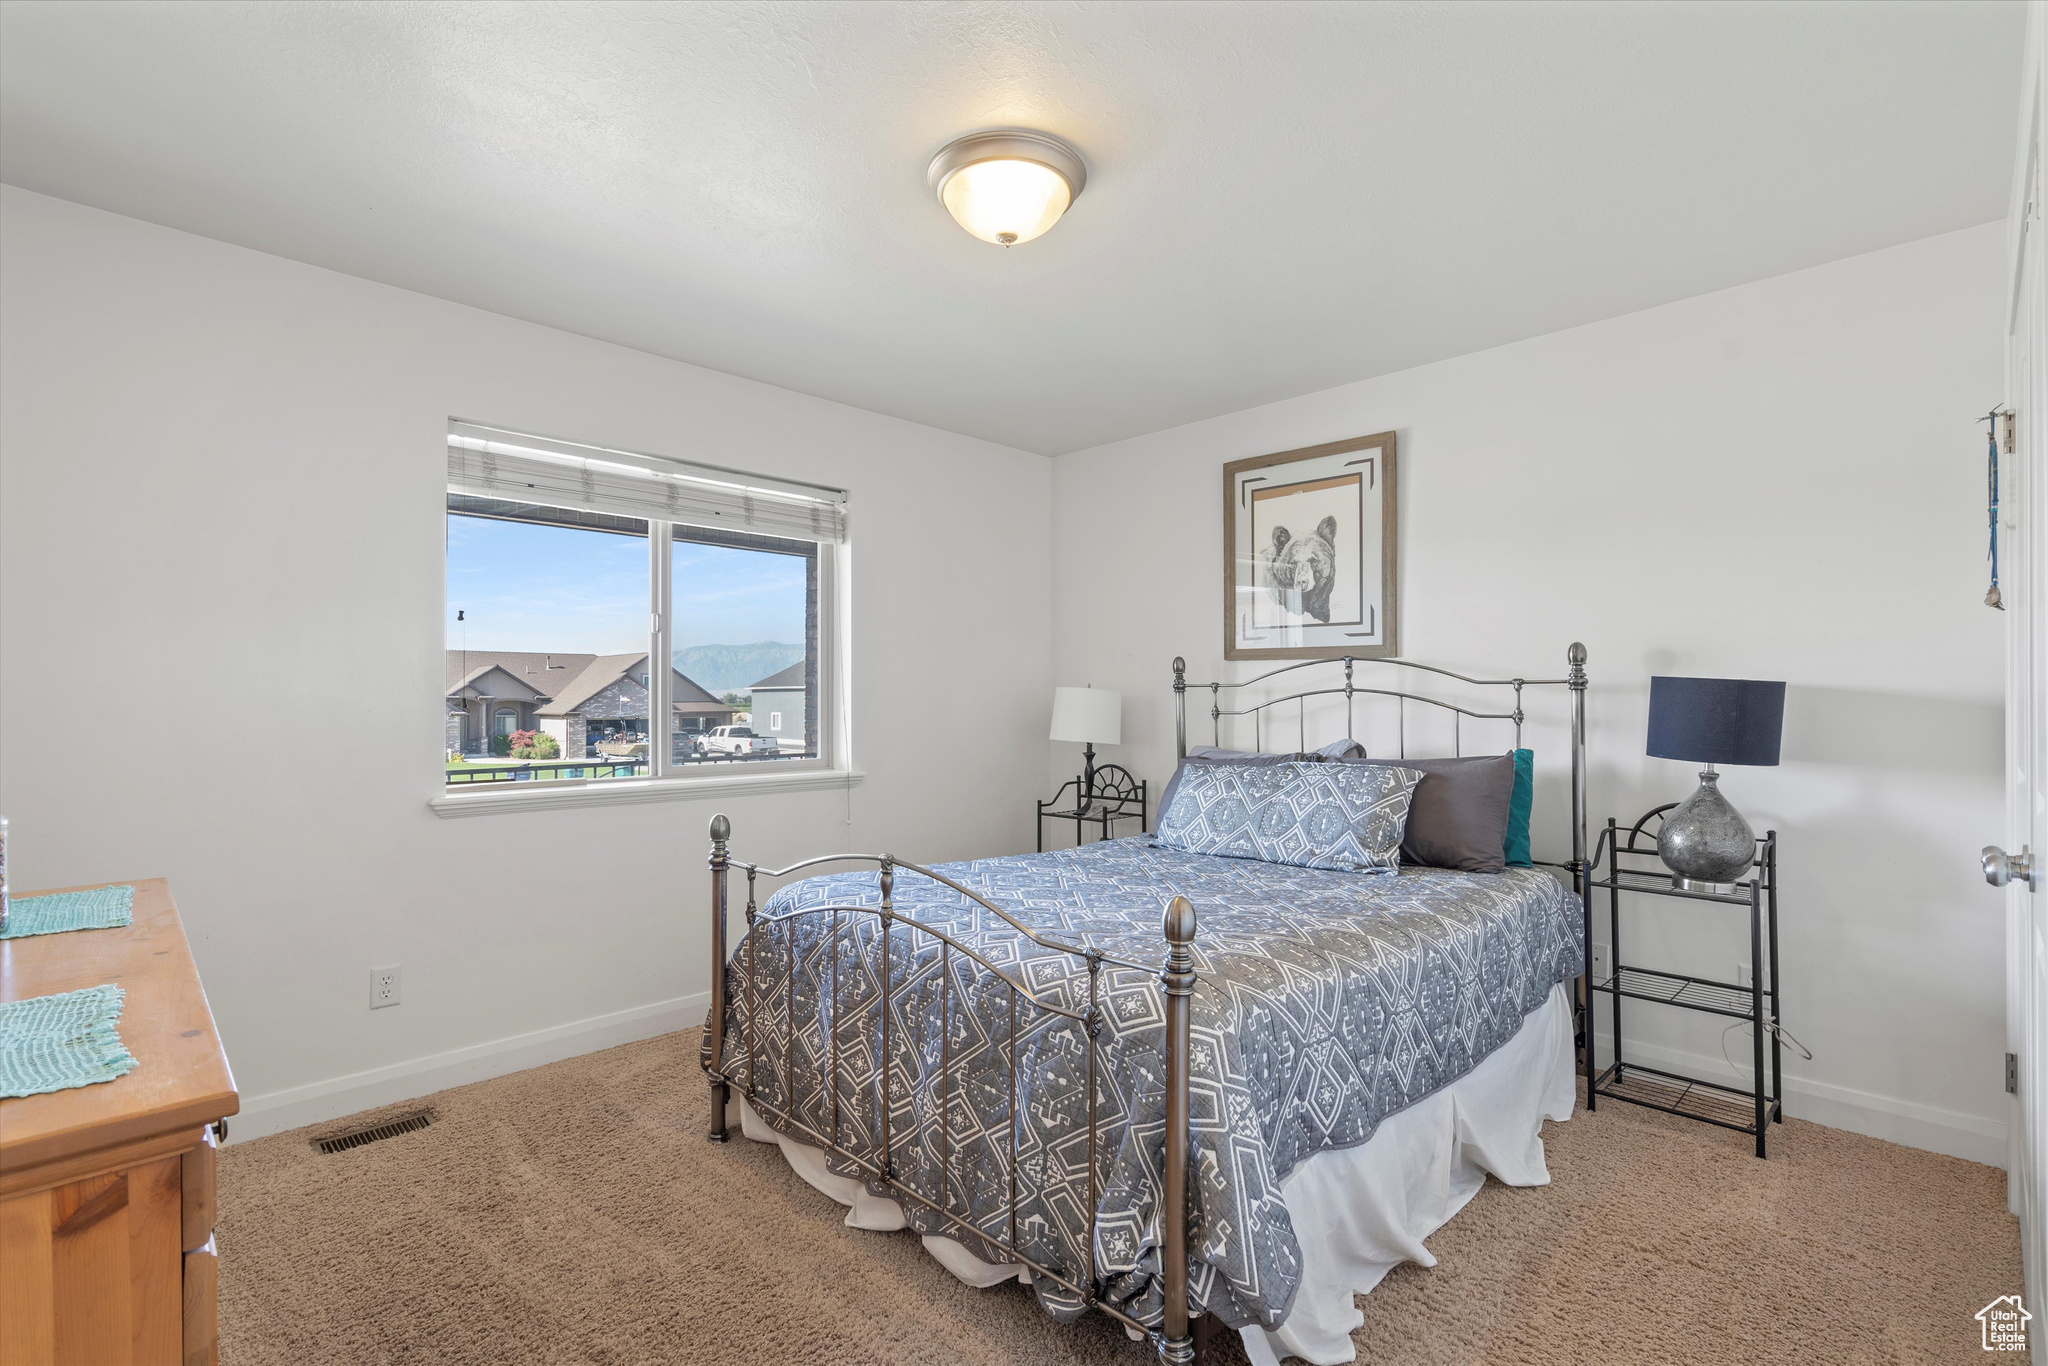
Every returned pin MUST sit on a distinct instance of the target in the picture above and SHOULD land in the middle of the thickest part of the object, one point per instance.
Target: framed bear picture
(1309, 552)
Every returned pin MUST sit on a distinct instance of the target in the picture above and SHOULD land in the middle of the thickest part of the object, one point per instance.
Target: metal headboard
(1350, 690)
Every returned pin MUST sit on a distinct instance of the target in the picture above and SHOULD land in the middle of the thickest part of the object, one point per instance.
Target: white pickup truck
(737, 740)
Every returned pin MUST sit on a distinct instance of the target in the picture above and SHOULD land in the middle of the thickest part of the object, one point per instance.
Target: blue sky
(585, 592)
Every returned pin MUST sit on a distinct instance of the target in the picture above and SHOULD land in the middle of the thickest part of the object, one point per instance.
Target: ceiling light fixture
(1007, 185)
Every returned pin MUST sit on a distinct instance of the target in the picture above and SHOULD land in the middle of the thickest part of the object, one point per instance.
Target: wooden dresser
(107, 1191)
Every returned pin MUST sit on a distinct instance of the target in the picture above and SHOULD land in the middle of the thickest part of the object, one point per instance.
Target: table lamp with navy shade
(1705, 842)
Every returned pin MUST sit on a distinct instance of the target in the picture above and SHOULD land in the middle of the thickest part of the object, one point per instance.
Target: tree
(535, 744)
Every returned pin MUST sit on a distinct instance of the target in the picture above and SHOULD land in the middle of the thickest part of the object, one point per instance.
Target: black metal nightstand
(1106, 794)
(1751, 1111)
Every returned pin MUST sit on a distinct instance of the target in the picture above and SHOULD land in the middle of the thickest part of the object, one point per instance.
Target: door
(2024, 584)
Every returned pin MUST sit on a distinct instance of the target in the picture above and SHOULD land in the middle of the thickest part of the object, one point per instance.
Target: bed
(1141, 1078)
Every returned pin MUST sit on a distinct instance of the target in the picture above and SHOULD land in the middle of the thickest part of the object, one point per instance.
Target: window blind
(489, 462)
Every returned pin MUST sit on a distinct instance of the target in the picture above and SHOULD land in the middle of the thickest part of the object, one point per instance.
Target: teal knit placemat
(96, 908)
(53, 1043)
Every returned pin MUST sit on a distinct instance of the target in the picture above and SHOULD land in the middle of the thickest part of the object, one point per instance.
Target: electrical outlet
(1603, 961)
(1742, 976)
(383, 987)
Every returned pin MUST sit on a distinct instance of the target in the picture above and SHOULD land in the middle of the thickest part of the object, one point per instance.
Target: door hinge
(2006, 420)
(2012, 1074)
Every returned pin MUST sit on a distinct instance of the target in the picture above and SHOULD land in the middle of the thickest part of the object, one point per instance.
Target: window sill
(510, 797)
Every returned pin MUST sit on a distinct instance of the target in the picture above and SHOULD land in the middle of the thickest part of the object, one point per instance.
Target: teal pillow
(1515, 851)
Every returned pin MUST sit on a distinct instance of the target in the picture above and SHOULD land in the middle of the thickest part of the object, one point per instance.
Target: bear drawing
(1306, 565)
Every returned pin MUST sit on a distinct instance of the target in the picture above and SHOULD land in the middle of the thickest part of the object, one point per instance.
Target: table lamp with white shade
(1090, 716)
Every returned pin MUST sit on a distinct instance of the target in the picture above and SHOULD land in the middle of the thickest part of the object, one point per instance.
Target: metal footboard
(740, 1062)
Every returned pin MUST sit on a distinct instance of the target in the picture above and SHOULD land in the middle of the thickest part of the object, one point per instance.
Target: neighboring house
(779, 707)
(581, 700)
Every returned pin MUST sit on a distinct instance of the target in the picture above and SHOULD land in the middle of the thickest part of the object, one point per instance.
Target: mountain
(729, 668)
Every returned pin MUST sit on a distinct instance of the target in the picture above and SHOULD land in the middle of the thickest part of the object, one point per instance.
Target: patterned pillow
(1344, 816)
(1204, 754)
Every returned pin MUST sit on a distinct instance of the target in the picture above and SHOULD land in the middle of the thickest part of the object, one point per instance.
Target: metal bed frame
(1175, 1341)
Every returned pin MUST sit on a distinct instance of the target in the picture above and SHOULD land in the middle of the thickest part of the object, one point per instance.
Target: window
(558, 597)
(744, 609)
(537, 598)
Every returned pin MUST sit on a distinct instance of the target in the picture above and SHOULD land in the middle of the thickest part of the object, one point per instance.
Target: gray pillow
(1458, 817)
(1205, 754)
(1344, 817)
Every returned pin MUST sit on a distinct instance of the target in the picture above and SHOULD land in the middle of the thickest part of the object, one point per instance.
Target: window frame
(830, 766)
(661, 766)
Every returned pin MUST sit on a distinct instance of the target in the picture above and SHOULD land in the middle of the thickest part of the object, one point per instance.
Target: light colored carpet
(575, 1214)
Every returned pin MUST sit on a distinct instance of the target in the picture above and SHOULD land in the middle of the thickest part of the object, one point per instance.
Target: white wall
(221, 527)
(220, 636)
(1778, 481)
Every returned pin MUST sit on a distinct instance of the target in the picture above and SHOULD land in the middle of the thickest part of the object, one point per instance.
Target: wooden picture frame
(1310, 552)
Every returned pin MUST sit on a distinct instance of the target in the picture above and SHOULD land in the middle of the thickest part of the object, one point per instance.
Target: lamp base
(1705, 841)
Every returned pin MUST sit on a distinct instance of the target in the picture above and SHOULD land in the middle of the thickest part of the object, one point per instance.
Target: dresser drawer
(89, 1271)
(199, 1187)
(202, 1286)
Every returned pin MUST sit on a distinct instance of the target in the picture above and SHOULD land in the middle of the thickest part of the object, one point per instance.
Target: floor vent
(390, 1128)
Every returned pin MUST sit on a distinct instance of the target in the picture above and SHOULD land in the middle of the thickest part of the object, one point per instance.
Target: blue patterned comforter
(1326, 1001)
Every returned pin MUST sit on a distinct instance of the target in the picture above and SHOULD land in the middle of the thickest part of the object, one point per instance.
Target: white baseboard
(316, 1102)
(1904, 1122)
(1897, 1121)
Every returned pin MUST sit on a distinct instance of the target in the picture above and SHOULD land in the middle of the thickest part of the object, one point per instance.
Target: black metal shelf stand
(1750, 1111)
(1105, 794)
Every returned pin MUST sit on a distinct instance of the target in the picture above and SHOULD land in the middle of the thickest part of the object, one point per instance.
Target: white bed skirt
(1358, 1212)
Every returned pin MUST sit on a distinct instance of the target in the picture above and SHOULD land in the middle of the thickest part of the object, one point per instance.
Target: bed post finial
(1180, 932)
(1176, 1345)
(721, 862)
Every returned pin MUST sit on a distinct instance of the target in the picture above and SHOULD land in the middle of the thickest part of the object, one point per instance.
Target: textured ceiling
(1280, 198)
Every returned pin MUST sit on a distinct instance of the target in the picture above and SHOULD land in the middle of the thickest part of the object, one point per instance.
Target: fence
(555, 770)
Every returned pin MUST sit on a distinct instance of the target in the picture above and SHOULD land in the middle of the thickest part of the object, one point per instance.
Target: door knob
(2001, 867)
